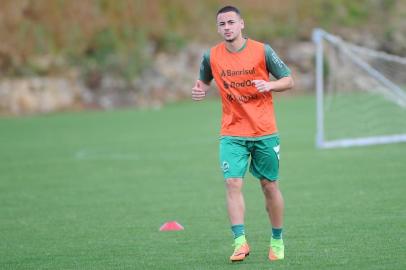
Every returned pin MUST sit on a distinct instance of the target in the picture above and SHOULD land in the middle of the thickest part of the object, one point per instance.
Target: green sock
(238, 230)
(277, 233)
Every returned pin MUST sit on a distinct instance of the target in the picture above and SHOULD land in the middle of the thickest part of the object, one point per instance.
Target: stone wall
(33, 95)
(168, 79)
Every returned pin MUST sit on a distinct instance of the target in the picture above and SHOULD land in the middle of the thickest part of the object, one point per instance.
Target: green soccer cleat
(241, 249)
(240, 252)
(276, 250)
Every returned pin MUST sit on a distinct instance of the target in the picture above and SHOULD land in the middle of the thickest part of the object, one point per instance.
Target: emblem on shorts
(277, 149)
(225, 166)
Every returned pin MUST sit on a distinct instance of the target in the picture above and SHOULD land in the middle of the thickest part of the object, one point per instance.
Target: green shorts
(264, 152)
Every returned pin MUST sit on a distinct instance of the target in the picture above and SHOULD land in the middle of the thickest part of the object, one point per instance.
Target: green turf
(90, 190)
(355, 114)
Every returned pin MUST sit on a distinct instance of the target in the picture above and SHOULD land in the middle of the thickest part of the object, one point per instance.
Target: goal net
(361, 94)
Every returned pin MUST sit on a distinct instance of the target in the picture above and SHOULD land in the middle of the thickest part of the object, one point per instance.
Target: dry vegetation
(43, 37)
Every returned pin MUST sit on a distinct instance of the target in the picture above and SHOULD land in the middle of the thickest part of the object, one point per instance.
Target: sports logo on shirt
(236, 85)
(277, 60)
(242, 98)
(229, 72)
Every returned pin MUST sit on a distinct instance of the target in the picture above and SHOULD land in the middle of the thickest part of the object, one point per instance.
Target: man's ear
(242, 24)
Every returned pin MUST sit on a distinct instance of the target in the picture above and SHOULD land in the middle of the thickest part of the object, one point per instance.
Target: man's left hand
(262, 86)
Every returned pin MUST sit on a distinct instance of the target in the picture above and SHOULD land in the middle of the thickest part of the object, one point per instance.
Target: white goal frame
(398, 94)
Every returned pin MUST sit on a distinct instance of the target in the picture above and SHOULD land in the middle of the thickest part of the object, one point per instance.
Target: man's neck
(236, 45)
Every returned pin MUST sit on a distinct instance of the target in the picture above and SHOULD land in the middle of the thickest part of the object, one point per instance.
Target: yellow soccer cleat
(276, 250)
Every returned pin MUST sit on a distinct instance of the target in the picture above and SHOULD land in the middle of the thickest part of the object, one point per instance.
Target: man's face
(229, 25)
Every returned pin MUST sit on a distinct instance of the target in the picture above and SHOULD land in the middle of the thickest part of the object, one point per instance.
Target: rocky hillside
(59, 55)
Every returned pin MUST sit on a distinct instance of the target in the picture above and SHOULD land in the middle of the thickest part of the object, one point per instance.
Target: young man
(241, 69)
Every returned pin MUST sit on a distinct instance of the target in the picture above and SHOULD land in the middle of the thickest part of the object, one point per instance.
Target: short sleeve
(206, 74)
(274, 64)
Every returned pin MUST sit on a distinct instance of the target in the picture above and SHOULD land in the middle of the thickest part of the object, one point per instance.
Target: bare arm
(280, 85)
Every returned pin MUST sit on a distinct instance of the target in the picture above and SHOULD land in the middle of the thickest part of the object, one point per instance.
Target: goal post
(360, 94)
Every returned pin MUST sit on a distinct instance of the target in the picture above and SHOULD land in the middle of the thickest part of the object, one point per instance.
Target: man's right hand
(199, 90)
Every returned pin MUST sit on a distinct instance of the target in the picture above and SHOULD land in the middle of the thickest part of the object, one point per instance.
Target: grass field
(90, 190)
(358, 113)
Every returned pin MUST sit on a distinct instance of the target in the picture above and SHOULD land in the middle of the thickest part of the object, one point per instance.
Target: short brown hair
(228, 9)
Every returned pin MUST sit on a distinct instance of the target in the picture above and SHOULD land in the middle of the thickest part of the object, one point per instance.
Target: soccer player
(241, 68)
